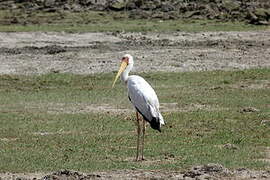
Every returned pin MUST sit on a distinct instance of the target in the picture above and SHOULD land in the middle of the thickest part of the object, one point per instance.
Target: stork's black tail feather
(155, 124)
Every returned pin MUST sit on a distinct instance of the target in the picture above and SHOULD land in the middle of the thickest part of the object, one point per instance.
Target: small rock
(54, 70)
(148, 6)
(230, 146)
(66, 174)
(190, 14)
(265, 122)
(55, 49)
(49, 3)
(131, 5)
(211, 167)
(263, 23)
(215, 88)
(166, 7)
(249, 110)
(262, 13)
(118, 5)
(231, 5)
(205, 171)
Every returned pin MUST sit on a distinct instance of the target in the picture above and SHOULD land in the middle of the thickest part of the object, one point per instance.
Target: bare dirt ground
(203, 172)
(38, 53)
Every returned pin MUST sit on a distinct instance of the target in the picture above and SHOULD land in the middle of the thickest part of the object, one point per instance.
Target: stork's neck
(124, 75)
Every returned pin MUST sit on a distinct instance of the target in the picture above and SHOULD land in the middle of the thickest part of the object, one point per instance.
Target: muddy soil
(38, 52)
(202, 172)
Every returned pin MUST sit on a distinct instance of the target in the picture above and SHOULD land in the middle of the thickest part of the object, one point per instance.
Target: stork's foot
(140, 159)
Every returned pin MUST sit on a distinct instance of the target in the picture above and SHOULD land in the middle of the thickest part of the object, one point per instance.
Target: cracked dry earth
(86, 53)
(39, 52)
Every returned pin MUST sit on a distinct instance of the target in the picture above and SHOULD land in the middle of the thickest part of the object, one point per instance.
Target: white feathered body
(145, 100)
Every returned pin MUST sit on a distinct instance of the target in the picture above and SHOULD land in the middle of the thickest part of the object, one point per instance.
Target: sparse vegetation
(37, 135)
(94, 21)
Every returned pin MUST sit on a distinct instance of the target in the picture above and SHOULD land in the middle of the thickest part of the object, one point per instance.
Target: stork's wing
(145, 100)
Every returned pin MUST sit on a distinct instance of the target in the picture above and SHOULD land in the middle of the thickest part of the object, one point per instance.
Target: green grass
(93, 21)
(34, 139)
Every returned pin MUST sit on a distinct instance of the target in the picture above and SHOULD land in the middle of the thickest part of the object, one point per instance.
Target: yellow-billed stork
(143, 98)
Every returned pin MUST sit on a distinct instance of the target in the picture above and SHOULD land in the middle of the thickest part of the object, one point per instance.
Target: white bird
(143, 98)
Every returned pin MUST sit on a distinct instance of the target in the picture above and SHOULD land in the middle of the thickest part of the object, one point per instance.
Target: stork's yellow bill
(121, 69)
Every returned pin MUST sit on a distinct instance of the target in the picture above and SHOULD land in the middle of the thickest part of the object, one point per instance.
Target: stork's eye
(125, 59)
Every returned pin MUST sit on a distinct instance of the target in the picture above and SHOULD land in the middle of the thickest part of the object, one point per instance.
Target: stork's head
(128, 59)
(126, 63)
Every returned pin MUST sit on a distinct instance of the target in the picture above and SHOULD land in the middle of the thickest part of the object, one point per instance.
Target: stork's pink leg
(138, 135)
(143, 138)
